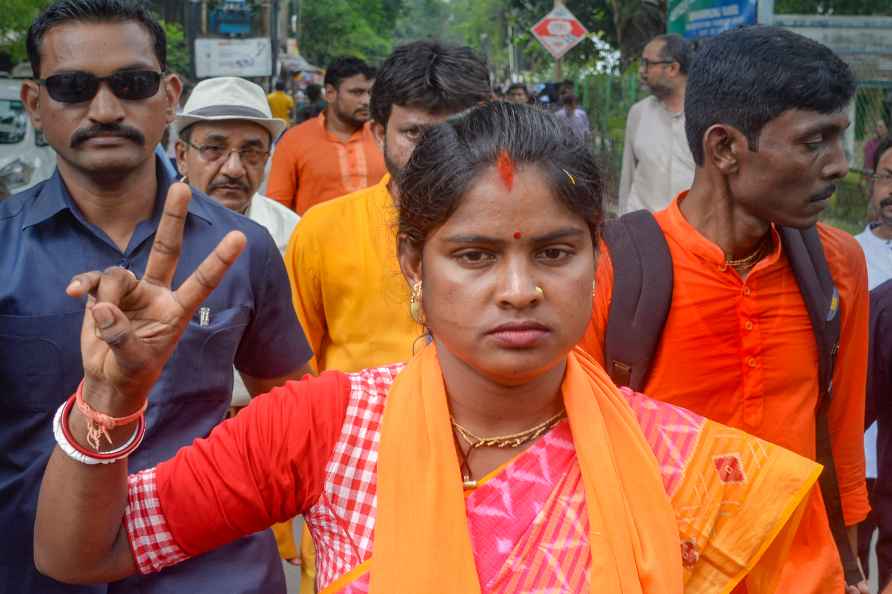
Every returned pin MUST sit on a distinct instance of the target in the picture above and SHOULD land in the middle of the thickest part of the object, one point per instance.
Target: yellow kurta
(349, 294)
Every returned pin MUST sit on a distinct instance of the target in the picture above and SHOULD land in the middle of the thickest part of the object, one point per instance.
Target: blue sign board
(693, 19)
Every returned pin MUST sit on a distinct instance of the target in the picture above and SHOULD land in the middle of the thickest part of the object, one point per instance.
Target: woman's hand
(132, 325)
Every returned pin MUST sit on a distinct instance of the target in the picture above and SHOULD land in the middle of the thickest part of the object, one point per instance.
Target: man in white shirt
(657, 163)
(226, 130)
(876, 239)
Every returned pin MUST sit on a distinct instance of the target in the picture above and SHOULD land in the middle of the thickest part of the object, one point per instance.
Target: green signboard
(703, 18)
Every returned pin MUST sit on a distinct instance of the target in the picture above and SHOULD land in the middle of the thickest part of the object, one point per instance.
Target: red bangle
(66, 431)
(99, 424)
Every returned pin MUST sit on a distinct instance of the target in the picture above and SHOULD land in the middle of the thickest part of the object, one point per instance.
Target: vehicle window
(13, 121)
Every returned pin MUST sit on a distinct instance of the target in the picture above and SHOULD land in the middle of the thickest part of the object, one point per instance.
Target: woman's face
(481, 270)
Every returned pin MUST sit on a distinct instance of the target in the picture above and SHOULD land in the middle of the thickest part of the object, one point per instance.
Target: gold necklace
(750, 260)
(513, 440)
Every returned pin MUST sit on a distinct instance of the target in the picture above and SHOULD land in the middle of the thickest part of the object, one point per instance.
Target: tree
(637, 22)
(361, 28)
(485, 25)
(178, 60)
(15, 18)
(837, 7)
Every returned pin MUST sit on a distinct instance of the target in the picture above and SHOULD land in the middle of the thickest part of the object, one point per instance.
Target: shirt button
(751, 361)
(746, 291)
(124, 263)
(748, 325)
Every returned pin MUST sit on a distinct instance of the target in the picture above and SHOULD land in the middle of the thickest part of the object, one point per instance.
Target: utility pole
(195, 14)
(274, 40)
(766, 12)
(558, 75)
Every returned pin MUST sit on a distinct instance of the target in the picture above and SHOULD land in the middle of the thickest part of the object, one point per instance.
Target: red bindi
(518, 235)
(506, 169)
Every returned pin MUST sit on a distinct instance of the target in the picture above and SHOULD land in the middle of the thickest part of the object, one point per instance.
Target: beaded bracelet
(69, 445)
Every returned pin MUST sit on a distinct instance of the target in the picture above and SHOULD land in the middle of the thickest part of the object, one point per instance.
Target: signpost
(233, 57)
(559, 32)
(693, 19)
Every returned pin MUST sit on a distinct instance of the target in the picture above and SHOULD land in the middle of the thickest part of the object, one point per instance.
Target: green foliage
(848, 207)
(177, 51)
(362, 28)
(836, 7)
(483, 24)
(15, 18)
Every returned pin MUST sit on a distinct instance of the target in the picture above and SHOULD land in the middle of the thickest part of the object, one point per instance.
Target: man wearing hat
(103, 100)
(225, 133)
(226, 130)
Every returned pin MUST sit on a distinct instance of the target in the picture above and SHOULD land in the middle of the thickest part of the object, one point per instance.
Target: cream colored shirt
(657, 163)
(280, 222)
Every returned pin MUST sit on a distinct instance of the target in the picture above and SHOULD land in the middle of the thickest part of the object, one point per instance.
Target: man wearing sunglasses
(102, 99)
(657, 162)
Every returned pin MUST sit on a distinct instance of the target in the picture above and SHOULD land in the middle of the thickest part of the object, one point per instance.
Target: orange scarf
(421, 542)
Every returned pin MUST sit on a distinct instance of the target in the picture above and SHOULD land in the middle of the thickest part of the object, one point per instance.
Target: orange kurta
(311, 165)
(743, 353)
(348, 292)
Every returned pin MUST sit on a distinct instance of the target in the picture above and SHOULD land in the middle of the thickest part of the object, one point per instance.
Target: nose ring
(540, 290)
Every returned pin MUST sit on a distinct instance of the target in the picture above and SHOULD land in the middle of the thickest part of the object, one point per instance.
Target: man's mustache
(85, 134)
(228, 182)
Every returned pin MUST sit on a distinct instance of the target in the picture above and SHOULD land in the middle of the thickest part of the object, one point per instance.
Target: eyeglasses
(78, 87)
(645, 63)
(213, 152)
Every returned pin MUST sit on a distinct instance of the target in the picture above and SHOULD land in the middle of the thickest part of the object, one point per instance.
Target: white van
(25, 157)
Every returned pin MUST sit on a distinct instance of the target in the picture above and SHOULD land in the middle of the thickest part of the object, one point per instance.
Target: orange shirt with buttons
(310, 165)
(743, 353)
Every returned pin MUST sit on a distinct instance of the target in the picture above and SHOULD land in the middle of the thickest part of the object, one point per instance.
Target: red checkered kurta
(341, 518)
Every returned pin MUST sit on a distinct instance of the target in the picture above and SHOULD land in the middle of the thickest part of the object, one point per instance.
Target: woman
(499, 459)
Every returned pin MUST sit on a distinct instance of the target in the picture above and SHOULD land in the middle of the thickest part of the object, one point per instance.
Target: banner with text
(693, 19)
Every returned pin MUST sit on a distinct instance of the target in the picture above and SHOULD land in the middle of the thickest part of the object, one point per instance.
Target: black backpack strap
(806, 255)
(642, 294)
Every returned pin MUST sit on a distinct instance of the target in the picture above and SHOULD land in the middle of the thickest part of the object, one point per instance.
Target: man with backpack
(733, 303)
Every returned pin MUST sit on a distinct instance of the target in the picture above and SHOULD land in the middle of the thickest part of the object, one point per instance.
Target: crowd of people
(425, 337)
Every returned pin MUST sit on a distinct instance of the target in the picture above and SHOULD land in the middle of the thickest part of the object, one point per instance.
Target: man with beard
(102, 99)
(334, 153)
(738, 344)
(657, 162)
(348, 293)
(226, 130)
(876, 239)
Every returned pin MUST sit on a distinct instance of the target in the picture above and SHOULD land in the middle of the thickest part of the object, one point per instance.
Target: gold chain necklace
(513, 440)
(750, 260)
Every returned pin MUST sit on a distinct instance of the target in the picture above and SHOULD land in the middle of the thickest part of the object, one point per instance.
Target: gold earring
(540, 290)
(415, 309)
(594, 287)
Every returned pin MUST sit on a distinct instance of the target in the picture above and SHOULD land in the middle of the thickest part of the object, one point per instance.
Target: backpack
(642, 295)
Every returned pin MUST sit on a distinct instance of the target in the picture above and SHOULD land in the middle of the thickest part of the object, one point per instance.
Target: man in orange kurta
(346, 283)
(332, 154)
(738, 346)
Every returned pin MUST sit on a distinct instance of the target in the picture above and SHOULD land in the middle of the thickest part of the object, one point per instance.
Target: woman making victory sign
(498, 459)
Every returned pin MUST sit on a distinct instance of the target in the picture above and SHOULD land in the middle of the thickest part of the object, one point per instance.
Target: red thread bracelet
(66, 431)
(99, 424)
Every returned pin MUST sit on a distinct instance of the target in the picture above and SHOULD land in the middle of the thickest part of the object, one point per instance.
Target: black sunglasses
(77, 87)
